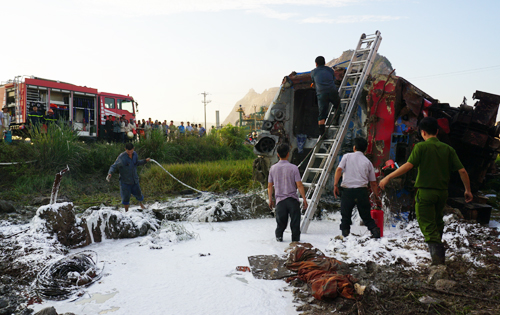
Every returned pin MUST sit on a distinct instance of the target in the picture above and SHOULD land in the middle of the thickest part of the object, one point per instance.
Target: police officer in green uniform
(435, 161)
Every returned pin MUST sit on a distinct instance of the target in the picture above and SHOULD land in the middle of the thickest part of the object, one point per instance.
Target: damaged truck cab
(388, 113)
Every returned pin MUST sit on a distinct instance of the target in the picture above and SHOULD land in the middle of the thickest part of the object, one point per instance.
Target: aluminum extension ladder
(326, 150)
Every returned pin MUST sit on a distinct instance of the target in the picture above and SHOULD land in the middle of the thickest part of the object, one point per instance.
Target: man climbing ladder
(323, 156)
(323, 78)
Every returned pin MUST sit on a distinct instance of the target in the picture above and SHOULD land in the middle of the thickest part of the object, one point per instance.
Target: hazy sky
(165, 53)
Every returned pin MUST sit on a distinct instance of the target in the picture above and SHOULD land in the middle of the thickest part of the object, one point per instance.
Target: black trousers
(286, 208)
(349, 198)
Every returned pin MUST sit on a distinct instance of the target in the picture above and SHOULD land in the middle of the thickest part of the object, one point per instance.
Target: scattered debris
(269, 267)
(57, 184)
(64, 278)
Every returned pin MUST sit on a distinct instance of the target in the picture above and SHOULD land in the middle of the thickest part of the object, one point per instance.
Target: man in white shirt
(189, 129)
(357, 172)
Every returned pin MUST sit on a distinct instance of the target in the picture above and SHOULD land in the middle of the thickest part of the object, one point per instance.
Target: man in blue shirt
(202, 131)
(126, 163)
(181, 128)
(323, 78)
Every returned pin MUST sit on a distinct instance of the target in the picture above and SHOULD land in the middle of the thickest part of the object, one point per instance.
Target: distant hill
(381, 66)
(248, 101)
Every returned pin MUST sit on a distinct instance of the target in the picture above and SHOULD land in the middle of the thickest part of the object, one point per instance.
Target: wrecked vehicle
(292, 116)
(387, 114)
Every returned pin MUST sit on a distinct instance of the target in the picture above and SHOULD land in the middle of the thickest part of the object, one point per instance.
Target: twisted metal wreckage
(388, 113)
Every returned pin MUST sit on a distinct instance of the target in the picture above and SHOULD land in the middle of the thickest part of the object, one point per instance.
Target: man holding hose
(126, 163)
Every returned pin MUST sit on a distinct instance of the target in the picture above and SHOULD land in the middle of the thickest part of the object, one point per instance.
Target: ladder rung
(362, 50)
(356, 74)
(358, 62)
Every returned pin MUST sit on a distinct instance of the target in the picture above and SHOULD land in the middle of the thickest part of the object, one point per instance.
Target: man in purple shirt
(284, 178)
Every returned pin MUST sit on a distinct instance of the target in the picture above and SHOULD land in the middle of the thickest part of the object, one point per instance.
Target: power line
(469, 71)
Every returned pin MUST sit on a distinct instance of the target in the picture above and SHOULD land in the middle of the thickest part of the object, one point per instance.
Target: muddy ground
(396, 290)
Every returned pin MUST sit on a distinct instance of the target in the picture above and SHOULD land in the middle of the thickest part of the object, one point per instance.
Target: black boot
(322, 129)
(437, 251)
(345, 232)
(376, 232)
(440, 252)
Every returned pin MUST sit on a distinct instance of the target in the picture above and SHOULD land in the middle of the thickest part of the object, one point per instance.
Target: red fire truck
(83, 107)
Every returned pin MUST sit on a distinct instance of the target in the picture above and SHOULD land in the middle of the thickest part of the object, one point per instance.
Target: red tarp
(320, 272)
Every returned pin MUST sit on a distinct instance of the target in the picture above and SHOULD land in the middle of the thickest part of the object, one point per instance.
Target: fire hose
(176, 178)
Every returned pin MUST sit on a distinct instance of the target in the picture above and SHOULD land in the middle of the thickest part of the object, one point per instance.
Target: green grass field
(214, 163)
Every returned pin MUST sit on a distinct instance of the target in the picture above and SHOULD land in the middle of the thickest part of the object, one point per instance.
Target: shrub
(232, 136)
(153, 145)
(57, 147)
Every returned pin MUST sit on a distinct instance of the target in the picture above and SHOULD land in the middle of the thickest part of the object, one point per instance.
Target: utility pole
(240, 111)
(205, 102)
(254, 116)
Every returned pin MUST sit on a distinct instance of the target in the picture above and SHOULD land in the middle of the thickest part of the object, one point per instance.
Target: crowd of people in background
(115, 128)
(120, 129)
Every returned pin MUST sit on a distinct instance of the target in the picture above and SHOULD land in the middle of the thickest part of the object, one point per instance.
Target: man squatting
(435, 161)
(284, 178)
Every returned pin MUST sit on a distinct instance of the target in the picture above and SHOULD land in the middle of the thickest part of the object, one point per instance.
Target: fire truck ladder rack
(326, 150)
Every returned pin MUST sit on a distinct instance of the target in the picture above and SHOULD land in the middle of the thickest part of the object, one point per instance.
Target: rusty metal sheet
(269, 267)
(475, 138)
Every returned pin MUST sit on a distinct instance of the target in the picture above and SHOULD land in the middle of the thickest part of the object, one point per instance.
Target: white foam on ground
(190, 267)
